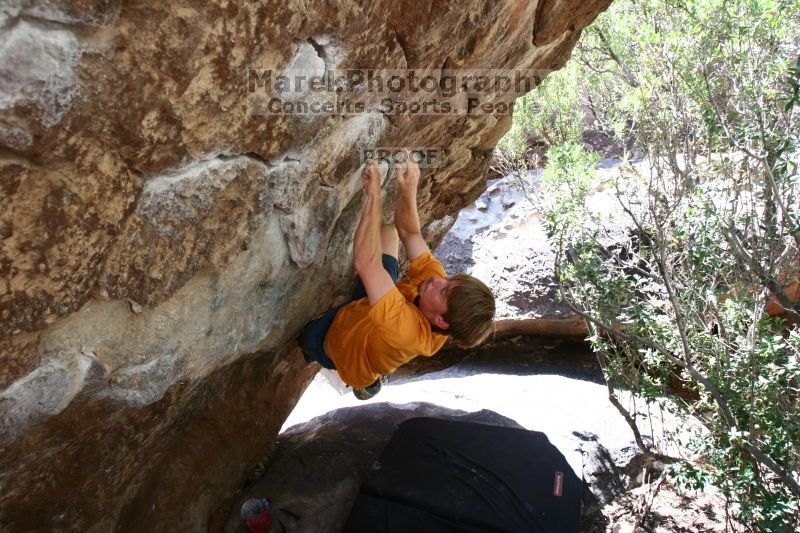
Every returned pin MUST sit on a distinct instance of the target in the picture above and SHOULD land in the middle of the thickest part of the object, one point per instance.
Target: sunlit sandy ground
(567, 408)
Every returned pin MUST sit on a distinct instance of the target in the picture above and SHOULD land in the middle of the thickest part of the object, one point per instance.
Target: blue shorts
(313, 335)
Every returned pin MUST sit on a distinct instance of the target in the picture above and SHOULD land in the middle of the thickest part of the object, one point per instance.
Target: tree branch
(627, 74)
(774, 467)
(792, 308)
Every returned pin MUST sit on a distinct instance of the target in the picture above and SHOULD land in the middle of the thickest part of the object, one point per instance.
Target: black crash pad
(444, 475)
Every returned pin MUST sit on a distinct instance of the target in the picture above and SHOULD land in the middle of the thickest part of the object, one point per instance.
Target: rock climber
(388, 323)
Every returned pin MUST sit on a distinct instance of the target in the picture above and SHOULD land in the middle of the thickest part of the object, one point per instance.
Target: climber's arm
(406, 218)
(367, 244)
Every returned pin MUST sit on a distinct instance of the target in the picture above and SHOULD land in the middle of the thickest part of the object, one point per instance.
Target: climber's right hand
(407, 174)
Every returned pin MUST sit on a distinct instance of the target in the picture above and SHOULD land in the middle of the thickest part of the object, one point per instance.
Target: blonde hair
(470, 311)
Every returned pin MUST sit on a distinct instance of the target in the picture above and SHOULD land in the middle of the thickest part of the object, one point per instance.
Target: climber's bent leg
(390, 241)
(312, 339)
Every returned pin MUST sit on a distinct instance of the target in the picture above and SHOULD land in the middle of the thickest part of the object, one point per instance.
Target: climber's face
(433, 300)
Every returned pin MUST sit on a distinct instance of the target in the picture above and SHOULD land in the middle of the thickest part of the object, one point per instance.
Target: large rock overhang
(162, 245)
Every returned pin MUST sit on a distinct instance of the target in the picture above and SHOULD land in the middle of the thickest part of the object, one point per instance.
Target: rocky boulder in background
(500, 238)
(161, 247)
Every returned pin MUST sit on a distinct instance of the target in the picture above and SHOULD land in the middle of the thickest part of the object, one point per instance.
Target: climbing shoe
(369, 391)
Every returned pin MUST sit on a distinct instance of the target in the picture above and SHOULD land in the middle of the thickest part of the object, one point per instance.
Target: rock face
(161, 247)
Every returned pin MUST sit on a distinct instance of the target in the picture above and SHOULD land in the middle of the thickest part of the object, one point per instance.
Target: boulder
(500, 238)
(162, 244)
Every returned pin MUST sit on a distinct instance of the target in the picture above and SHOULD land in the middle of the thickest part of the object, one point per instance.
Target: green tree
(706, 92)
(550, 116)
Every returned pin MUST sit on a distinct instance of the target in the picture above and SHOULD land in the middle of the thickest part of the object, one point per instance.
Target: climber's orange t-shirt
(366, 341)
